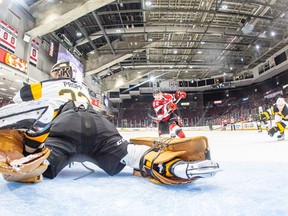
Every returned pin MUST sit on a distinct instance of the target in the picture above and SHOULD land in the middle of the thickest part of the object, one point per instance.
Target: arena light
(224, 7)
(218, 102)
(185, 104)
(148, 3)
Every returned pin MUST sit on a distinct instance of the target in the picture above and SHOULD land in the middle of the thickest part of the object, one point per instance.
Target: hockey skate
(281, 136)
(194, 169)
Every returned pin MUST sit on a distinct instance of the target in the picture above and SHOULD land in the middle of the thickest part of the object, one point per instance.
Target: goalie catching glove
(175, 161)
(13, 165)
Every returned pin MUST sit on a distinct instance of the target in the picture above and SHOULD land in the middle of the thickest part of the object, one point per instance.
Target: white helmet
(63, 70)
(280, 102)
(260, 109)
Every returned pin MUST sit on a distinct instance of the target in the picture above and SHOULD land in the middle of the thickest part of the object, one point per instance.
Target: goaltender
(73, 127)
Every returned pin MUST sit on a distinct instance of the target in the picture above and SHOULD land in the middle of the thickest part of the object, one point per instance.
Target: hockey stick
(168, 112)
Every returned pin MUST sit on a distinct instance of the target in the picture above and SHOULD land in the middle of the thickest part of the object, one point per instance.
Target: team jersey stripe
(281, 126)
(36, 90)
(26, 94)
(39, 139)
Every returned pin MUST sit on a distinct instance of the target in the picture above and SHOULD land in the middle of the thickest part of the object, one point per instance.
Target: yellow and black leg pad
(165, 152)
(196, 148)
(165, 159)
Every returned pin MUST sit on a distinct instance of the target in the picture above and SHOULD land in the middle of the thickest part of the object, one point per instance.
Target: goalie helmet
(63, 70)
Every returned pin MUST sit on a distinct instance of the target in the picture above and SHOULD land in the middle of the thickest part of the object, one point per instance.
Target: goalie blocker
(175, 161)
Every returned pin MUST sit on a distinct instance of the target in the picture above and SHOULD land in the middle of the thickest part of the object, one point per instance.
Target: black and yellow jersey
(58, 91)
(280, 117)
(275, 111)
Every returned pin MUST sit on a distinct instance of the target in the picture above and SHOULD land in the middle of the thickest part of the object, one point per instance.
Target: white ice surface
(254, 181)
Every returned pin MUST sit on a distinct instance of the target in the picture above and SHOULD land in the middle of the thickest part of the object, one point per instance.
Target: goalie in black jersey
(70, 127)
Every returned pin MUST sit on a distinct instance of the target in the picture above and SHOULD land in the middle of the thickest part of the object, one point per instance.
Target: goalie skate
(195, 169)
(22, 116)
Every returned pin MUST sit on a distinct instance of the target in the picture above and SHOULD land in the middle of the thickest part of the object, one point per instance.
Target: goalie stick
(168, 112)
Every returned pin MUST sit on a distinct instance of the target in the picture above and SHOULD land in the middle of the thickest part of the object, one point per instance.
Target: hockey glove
(272, 131)
(181, 94)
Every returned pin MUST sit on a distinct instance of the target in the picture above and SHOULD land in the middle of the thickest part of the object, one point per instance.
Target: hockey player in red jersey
(164, 106)
(75, 130)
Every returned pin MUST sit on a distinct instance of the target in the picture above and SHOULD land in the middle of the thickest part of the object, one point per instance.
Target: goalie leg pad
(13, 165)
(32, 177)
(176, 161)
(196, 148)
(155, 171)
(11, 145)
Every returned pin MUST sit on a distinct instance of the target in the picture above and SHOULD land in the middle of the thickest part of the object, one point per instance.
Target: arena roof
(175, 39)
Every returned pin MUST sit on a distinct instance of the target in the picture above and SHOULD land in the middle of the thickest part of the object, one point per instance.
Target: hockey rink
(253, 182)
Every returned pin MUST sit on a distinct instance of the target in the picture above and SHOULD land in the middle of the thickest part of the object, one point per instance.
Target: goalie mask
(63, 70)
